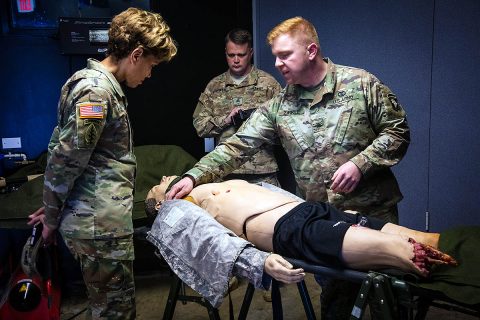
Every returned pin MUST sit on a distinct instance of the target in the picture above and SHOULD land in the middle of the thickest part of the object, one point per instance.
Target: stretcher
(400, 295)
(406, 296)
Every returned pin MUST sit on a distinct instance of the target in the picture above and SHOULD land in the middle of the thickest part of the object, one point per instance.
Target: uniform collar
(312, 98)
(96, 65)
(251, 79)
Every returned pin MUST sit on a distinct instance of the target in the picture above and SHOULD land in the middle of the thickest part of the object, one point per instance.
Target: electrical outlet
(11, 143)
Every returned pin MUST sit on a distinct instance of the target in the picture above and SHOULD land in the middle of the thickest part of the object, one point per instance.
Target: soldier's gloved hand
(241, 116)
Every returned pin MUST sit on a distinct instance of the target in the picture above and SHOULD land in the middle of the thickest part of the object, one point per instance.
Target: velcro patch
(91, 110)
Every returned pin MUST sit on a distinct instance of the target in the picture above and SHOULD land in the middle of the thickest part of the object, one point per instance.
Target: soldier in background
(229, 99)
(341, 128)
(89, 178)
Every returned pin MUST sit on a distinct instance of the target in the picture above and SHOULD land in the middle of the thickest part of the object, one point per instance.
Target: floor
(152, 291)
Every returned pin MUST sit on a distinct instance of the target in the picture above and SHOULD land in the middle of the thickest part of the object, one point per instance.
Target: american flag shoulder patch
(91, 110)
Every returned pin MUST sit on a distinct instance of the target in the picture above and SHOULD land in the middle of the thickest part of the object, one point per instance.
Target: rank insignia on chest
(91, 110)
(237, 101)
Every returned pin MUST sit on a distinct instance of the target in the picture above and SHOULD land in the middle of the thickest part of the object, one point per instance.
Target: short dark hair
(239, 36)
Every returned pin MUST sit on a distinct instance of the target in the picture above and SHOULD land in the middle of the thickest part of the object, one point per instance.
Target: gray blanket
(200, 250)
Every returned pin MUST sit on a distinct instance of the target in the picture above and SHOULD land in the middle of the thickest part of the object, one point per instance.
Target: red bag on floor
(30, 298)
(33, 291)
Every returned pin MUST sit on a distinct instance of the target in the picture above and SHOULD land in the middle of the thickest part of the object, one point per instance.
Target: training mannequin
(258, 215)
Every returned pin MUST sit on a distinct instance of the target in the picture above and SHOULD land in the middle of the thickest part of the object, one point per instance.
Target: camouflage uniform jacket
(89, 178)
(202, 252)
(220, 96)
(352, 116)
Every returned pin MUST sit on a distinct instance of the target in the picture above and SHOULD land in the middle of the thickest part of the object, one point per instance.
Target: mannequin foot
(426, 257)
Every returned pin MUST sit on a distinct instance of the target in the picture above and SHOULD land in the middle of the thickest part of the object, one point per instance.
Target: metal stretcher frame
(277, 310)
(176, 293)
(398, 299)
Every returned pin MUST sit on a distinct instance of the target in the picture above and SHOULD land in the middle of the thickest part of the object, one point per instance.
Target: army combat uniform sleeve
(209, 119)
(388, 119)
(351, 117)
(221, 95)
(82, 117)
(256, 132)
(274, 89)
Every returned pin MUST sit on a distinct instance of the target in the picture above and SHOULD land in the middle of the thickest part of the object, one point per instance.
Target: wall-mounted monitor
(44, 14)
(86, 36)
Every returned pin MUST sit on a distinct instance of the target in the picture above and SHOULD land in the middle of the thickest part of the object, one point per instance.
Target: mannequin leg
(366, 249)
(428, 238)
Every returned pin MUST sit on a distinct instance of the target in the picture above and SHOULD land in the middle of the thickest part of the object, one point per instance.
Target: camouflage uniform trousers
(338, 296)
(109, 281)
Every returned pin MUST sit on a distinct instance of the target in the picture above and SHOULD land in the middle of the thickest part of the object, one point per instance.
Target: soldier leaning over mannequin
(348, 125)
(341, 128)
